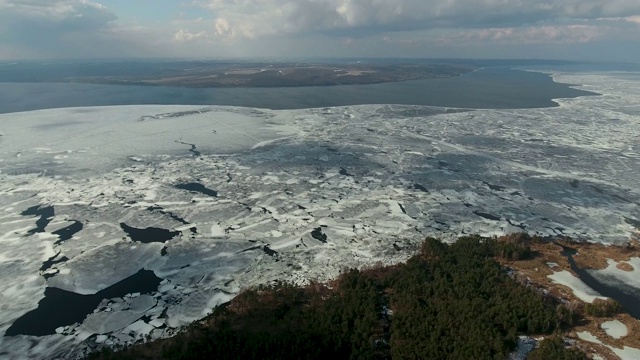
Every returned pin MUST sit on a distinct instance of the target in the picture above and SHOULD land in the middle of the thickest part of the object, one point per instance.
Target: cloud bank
(213, 28)
(269, 16)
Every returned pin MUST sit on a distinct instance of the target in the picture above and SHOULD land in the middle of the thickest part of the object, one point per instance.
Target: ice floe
(626, 353)
(587, 336)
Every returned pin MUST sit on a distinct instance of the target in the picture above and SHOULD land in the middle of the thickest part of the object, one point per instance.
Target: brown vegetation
(624, 266)
(595, 255)
(591, 256)
(287, 75)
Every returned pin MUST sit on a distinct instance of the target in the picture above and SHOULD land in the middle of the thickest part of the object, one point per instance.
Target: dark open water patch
(45, 213)
(196, 187)
(265, 249)
(402, 208)
(487, 215)
(61, 308)
(629, 302)
(52, 261)
(344, 172)
(168, 213)
(149, 235)
(67, 233)
(319, 235)
(420, 187)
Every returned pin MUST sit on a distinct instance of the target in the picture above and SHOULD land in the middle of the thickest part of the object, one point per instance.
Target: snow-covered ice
(615, 329)
(626, 353)
(222, 198)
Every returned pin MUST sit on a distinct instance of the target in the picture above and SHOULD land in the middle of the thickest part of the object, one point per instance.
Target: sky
(597, 30)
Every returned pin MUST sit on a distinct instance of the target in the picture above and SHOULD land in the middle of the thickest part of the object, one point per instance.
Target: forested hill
(447, 302)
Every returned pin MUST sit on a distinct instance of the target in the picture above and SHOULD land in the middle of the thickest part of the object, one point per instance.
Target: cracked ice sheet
(374, 180)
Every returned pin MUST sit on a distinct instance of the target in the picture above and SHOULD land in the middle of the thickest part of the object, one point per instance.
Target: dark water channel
(67, 233)
(630, 303)
(61, 308)
(45, 213)
(149, 235)
(196, 187)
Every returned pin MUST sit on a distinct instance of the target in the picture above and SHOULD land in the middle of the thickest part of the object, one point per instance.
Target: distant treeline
(447, 302)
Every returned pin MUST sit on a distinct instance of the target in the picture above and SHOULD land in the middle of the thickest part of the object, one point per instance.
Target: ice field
(123, 223)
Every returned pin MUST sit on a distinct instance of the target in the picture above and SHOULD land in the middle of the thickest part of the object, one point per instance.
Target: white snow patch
(100, 339)
(615, 329)
(587, 336)
(626, 353)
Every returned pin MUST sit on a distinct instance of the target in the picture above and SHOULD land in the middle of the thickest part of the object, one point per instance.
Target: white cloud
(68, 29)
(69, 14)
(267, 17)
(183, 35)
(82, 28)
(222, 27)
(633, 19)
(421, 27)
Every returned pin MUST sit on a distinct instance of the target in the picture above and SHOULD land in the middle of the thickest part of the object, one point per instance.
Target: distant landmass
(214, 74)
